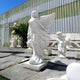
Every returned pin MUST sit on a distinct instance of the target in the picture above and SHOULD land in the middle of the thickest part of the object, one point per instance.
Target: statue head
(59, 33)
(34, 14)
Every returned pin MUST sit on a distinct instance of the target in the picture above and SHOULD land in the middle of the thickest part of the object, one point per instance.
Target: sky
(6, 5)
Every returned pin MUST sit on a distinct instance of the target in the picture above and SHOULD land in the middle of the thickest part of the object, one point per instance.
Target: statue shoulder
(32, 20)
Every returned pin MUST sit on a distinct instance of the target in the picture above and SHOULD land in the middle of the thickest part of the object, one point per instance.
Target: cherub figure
(61, 44)
(13, 39)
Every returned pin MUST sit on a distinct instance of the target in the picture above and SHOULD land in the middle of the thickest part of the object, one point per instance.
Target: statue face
(34, 14)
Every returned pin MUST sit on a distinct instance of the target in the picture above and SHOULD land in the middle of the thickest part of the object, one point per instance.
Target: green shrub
(21, 30)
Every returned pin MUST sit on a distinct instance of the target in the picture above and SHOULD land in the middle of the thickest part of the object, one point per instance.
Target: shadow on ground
(14, 52)
(11, 53)
(55, 66)
(53, 55)
(73, 58)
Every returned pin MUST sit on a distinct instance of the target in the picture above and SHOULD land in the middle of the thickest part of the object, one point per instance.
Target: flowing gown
(39, 36)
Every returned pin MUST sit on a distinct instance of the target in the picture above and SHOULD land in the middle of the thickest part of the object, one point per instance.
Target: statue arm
(29, 33)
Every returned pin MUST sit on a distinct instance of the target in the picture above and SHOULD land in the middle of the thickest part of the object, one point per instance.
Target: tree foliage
(21, 30)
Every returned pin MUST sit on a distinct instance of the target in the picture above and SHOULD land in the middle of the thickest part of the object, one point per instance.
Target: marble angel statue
(38, 36)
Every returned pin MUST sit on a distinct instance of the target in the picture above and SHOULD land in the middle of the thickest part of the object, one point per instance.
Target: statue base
(34, 67)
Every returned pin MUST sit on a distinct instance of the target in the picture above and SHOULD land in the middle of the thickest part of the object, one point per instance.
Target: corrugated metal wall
(67, 14)
(70, 22)
(66, 25)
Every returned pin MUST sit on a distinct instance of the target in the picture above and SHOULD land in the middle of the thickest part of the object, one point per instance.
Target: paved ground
(11, 61)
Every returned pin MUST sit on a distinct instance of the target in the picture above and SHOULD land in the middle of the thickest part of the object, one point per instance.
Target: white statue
(39, 38)
(61, 44)
(13, 39)
(19, 42)
(72, 72)
(29, 49)
(71, 44)
(29, 45)
(68, 44)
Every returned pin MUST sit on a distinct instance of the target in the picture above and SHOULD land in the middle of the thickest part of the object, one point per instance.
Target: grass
(46, 58)
(3, 78)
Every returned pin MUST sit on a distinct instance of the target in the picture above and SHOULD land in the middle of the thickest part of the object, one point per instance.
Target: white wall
(0, 35)
(70, 24)
(72, 36)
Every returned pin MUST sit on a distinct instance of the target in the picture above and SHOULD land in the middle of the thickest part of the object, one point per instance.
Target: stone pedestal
(34, 67)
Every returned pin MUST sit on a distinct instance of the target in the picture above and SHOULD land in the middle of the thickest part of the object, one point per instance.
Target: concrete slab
(2, 55)
(8, 61)
(24, 55)
(70, 57)
(17, 72)
(11, 65)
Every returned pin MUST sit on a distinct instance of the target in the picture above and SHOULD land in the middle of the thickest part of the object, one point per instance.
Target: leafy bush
(21, 30)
